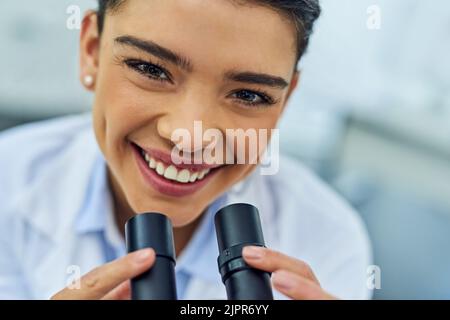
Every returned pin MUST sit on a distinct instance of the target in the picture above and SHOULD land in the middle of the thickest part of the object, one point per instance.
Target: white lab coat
(47, 225)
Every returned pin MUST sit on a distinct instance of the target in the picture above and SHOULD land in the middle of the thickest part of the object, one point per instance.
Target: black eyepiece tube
(238, 225)
(153, 230)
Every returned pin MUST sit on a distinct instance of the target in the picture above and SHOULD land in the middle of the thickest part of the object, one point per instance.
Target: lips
(172, 179)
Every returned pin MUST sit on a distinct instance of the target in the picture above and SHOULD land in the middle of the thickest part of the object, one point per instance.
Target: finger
(298, 288)
(271, 261)
(121, 292)
(100, 281)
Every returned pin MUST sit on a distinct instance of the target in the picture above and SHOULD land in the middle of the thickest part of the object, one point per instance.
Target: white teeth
(152, 163)
(160, 168)
(202, 174)
(172, 173)
(183, 176)
(193, 177)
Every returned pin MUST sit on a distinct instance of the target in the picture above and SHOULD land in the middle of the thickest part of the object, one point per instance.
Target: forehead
(212, 32)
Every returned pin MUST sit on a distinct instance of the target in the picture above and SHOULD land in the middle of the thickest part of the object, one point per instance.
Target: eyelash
(143, 67)
(137, 66)
(267, 100)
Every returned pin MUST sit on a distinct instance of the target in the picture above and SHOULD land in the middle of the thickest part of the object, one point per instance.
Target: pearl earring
(88, 80)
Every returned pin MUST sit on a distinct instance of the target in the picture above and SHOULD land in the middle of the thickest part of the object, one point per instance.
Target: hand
(292, 277)
(110, 281)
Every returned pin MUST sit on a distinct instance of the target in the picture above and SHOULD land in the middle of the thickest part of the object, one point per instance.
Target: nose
(185, 121)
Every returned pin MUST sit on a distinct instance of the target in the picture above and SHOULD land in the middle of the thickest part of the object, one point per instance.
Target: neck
(123, 212)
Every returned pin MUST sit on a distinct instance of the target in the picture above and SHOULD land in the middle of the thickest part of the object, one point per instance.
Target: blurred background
(371, 117)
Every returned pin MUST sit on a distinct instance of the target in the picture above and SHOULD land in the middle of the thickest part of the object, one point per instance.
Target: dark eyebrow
(166, 54)
(257, 78)
(156, 50)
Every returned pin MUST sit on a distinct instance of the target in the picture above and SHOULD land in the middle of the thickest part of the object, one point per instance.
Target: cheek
(118, 110)
(259, 131)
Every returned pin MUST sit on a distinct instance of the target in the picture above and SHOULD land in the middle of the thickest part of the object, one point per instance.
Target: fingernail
(253, 252)
(143, 255)
(283, 280)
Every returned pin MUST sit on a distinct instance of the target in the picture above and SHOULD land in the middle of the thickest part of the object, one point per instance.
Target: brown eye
(149, 70)
(250, 97)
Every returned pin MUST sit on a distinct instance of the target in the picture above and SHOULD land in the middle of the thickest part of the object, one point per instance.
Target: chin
(180, 214)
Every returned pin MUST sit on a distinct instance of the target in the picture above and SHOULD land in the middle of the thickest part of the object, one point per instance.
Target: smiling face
(163, 64)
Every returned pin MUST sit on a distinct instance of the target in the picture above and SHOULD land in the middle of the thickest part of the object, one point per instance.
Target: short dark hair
(302, 12)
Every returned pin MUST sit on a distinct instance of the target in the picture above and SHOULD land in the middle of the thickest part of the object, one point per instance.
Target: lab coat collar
(93, 215)
(53, 212)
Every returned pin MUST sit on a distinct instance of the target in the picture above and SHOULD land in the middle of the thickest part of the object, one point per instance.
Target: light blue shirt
(93, 220)
(56, 219)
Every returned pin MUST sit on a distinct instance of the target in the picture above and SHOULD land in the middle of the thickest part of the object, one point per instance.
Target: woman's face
(161, 65)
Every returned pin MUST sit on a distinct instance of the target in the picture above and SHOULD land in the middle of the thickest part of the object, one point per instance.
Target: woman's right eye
(150, 70)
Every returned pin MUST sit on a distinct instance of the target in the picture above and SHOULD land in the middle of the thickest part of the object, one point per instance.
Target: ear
(89, 50)
(294, 82)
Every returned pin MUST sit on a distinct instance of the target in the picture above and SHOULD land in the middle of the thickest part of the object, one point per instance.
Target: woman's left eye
(249, 97)
(149, 70)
